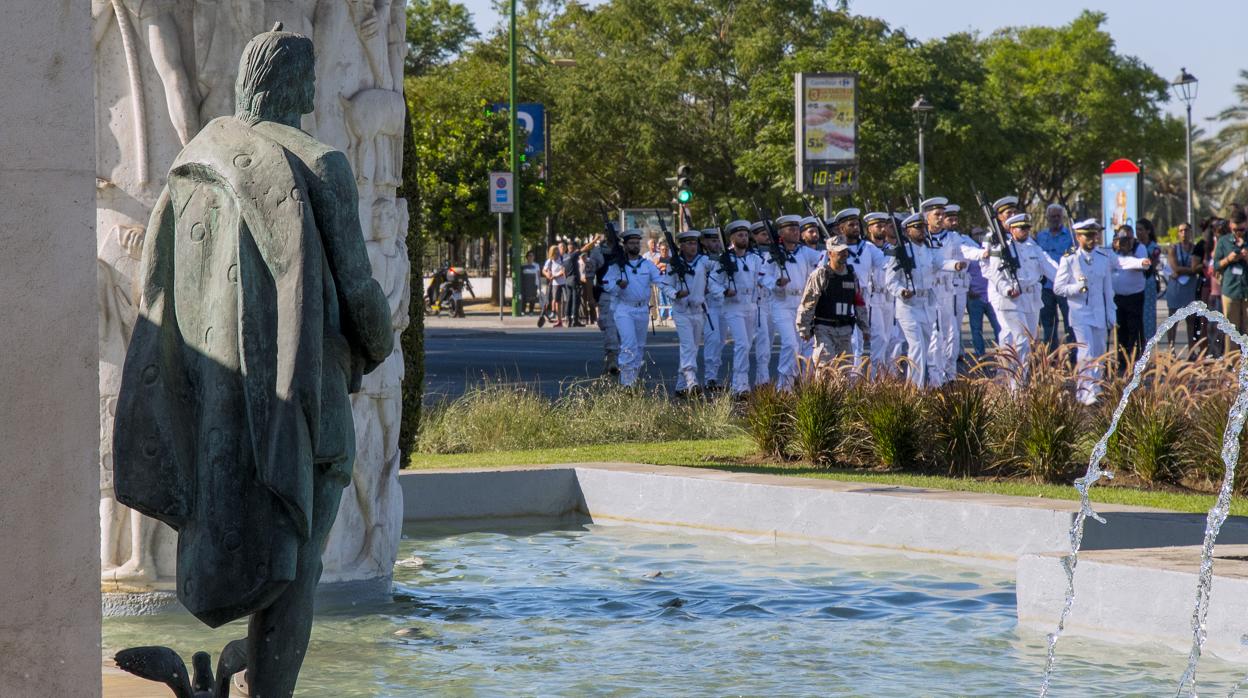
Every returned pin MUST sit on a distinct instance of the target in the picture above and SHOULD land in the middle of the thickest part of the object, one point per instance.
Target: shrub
(1201, 448)
(890, 416)
(1041, 427)
(818, 418)
(768, 420)
(1150, 436)
(961, 416)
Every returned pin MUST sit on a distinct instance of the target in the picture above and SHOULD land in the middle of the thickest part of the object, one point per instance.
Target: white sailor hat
(788, 219)
(737, 225)
(809, 222)
(1005, 201)
(845, 214)
(688, 235)
(756, 226)
(952, 208)
(1018, 220)
(836, 244)
(913, 220)
(710, 232)
(630, 234)
(875, 216)
(1089, 225)
(934, 202)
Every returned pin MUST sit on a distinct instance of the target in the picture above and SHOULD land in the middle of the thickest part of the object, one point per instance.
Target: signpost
(1120, 196)
(826, 132)
(502, 200)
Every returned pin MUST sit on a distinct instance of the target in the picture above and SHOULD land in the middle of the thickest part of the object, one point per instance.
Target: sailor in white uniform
(630, 286)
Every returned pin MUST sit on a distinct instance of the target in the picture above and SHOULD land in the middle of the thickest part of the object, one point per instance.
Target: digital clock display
(830, 178)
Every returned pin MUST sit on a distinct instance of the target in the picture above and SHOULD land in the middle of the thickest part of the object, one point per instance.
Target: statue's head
(276, 78)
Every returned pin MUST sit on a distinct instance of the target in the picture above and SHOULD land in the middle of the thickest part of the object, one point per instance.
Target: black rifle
(824, 234)
(727, 258)
(680, 267)
(613, 241)
(905, 260)
(1009, 256)
(779, 255)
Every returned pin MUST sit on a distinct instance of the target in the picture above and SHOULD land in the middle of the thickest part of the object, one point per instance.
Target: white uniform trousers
(713, 340)
(1092, 347)
(941, 362)
(689, 330)
(632, 321)
(882, 339)
(1014, 333)
(917, 330)
(959, 312)
(764, 329)
(741, 325)
(784, 318)
(610, 335)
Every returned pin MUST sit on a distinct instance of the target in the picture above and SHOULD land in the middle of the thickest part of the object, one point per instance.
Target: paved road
(460, 353)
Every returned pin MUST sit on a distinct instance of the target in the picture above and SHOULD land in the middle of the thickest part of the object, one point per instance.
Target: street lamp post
(516, 301)
(1185, 89)
(921, 108)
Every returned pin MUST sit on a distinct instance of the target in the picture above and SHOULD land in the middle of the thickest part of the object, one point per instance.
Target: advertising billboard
(826, 129)
(1120, 196)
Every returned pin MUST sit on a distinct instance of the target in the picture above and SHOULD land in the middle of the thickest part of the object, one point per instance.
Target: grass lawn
(735, 454)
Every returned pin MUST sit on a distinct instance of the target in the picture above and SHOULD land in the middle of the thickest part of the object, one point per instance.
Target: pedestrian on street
(686, 282)
(714, 336)
(530, 273)
(1185, 267)
(556, 278)
(1232, 264)
(832, 306)
(977, 305)
(1085, 279)
(630, 286)
(1147, 237)
(740, 312)
(1056, 240)
(1129, 283)
(785, 276)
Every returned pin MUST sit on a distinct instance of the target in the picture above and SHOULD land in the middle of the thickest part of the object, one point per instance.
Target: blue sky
(1198, 34)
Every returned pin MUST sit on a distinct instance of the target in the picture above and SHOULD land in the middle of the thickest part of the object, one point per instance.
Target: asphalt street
(463, 352)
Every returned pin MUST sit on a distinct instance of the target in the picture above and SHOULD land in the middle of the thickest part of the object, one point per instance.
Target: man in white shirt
(785, 276)
(687, 284)
(1132, 260)
(1085, 279)
(739, 285)
(910, 275)
(866, 261)
(630, 286)
(1014, 273)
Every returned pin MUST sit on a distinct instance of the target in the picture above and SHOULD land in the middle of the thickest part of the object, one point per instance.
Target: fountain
(1217, 515)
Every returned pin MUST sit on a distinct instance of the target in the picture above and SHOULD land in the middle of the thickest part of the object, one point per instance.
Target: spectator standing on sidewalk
(1231, 260)
(530, 274)
(1147, 237)
(1056, 240)
(1132, 260)
(556, 278)
(977, 305)
(1210, 287)
(1183, 282)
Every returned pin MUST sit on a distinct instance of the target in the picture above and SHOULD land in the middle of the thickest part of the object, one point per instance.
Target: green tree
(1070, 102)
(437, 30)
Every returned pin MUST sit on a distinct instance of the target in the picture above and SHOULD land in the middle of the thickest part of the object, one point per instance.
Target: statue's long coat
(235, 386)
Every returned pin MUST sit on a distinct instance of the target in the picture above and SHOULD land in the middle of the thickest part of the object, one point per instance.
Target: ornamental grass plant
(818, 421)
(769, 420)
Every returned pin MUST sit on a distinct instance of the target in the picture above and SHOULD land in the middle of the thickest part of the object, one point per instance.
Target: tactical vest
(835, 306)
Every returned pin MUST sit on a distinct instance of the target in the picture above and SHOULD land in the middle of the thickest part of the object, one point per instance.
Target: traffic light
(684, 184)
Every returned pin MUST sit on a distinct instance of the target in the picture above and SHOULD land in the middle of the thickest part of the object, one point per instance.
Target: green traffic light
(684, 196)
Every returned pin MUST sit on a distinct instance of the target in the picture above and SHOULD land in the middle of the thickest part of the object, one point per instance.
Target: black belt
(835, 322)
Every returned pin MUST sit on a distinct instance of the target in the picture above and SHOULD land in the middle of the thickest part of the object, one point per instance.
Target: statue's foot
(133, 571)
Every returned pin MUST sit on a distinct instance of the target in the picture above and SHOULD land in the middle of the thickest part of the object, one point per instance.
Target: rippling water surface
(577, 610)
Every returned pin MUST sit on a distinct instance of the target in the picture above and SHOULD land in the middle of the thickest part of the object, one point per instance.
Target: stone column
(49, 481)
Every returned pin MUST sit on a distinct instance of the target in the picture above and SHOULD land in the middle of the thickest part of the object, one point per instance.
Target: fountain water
(1217, 515)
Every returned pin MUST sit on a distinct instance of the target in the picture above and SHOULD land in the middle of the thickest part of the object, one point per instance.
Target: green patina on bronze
(259, 316)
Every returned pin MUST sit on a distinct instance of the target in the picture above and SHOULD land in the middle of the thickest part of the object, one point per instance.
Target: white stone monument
(165, 67)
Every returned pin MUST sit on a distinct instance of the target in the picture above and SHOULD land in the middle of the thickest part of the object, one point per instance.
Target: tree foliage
(436, 31)
(1029, 110)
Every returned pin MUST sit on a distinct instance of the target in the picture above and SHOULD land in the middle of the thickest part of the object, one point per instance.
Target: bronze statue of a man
(259, 315)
